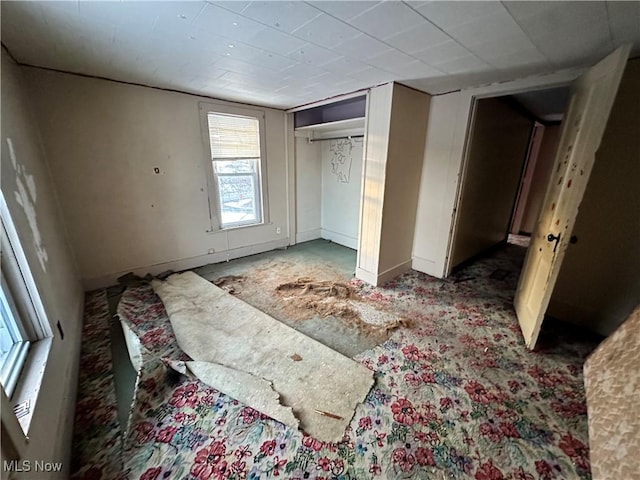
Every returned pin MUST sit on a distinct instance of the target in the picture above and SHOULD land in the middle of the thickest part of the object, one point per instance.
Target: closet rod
(311, 140)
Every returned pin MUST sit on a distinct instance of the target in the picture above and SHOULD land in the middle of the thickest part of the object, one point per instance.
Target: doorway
(510, 152)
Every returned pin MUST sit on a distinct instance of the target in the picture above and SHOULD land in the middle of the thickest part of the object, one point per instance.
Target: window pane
(235, 166)
(13, 347)
(237, 199)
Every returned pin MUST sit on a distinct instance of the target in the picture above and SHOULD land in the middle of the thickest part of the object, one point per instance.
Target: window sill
(28, 386)
(214, 230)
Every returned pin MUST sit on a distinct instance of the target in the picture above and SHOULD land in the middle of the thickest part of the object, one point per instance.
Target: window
(14, 343)
(237, 158)
(25, 335)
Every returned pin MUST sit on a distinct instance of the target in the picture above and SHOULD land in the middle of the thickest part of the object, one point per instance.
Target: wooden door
(592, 96)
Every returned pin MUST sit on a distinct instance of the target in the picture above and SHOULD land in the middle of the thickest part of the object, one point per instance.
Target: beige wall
(540, 178)
(308, 189)
(394, 151)
(497, 150)
(44, 241)
(599, 282)
(409, 115)
(104, 140)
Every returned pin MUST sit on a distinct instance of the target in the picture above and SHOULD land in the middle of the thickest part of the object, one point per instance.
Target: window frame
(214, 199)
(33, 321)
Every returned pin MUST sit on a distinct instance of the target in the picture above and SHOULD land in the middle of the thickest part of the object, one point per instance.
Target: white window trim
(212, 188)
(16, 267)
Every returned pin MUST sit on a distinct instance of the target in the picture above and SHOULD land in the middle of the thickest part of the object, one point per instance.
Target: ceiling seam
(452, 38)
(606, 7)
(136, 84)
(371, 37)
(527, 35)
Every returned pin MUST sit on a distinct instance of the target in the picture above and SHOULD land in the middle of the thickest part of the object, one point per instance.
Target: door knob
(554, 238)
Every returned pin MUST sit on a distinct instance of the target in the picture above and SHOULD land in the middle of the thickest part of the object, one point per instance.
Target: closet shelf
(340, 125)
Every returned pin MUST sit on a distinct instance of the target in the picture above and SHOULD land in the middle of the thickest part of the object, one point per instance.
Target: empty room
(320, 240)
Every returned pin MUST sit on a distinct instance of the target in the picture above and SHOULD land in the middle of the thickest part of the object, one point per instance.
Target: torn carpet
(210, 325)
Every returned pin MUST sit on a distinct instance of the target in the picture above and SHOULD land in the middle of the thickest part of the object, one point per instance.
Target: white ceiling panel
(503, 47)
(235, 6)
(326, 31)
(343, 10)
(220, 21)
(276, 41)
(390, 59)
(488, 28)
(311, 54)
(417, 38)
(387, 18)
(373, 75)
(519, 58)
(451, 14)
(416, 69)
(283, 54)
(449, 50)
(345, 66)
(362, 46)
(285, 16)
(464, 64)
(624, 21)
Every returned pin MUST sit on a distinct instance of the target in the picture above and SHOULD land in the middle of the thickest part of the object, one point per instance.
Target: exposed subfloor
(258, 277)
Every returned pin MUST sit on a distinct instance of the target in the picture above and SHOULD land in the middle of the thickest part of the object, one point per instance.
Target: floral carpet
(97, 438)
(457, 395)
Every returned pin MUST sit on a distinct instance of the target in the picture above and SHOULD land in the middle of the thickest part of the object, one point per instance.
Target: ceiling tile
(488, 28)
(624, 18)
(234, 5)
(285, 16)
(389, 60)
(311, 54)
(345, 66)
(362, 46)
(215, 20)
(176, 18)
(247, 69)
(257, 56)
(138, 15)
(466, 64)
(502, 47)
(521, 10)
(416, 69)
(417, 38)
(530, 57)
(343, 10)
(300, 72)
(386, 18)
(326, 31)
(184, 45)
(373, 75)
(440, 53)
(565, 32)
(275, 41)
(451, 14)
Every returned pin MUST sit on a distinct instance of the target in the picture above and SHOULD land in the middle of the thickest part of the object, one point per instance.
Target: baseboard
(185, 264)
(340, 239)
(382, 277)
(308, 235)
(366, 276)
(385, 276)
(426, 266)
